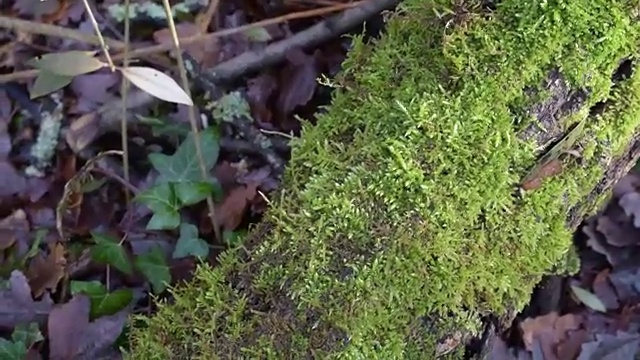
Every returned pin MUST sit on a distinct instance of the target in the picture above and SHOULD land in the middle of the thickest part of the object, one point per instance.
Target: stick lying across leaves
(52, 30)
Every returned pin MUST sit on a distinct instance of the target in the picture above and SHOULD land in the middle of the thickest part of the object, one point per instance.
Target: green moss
(397, 222)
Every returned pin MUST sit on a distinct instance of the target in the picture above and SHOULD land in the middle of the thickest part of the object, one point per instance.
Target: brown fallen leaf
(297, 81)
(45, 272)
(12, 182)
(232, 209)
(547, 170)
(202, 52)
(72, 336)
(547, 328)
(83, 131)
(36, 8)
(18, 307)
(14, 227)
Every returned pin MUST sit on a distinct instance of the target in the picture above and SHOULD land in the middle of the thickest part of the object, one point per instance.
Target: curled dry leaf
(157, 84)
(45, 272)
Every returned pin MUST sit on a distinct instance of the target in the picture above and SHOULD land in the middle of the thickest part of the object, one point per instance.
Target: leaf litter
(598, 317)
(76, 258)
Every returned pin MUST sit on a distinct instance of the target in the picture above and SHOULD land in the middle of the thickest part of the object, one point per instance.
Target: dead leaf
(588, 298)
(46, 271)
(259, 90)
(72, 336)
(535, 178)
(570, 348)
(157, 84)
(92, 90)
(232, 209)
(48, 82)
(226, 174)
(12, 182)
(83, 131)
(68, 63)
(36, 8)
(298, 82)
(18, 307)
(203, 52)
(621, 346)
(6, 110)
(630, 202)
(626, 283)
(552, 324)
(14, 227)
(617, 233)
(604, 291)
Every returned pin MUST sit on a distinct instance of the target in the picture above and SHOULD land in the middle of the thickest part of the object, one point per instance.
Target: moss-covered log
(402, 218)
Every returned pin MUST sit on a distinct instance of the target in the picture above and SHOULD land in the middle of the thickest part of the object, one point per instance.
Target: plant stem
(96, 27)
(192, 116)
(124, 92)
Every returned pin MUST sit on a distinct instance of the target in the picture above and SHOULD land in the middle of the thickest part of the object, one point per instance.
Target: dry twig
(192, 117)
(57, 31)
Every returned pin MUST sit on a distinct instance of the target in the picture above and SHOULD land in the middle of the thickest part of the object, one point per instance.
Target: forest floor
(78, 256)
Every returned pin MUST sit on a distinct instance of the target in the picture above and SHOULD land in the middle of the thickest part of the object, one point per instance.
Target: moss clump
(398, 221)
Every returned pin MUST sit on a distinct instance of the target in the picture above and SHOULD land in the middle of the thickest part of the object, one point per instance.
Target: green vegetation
(399, 219)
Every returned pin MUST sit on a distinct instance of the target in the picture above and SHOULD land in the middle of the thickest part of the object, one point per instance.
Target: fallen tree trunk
(458, 155)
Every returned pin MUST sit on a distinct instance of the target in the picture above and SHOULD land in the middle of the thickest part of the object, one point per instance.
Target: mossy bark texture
(401, 220)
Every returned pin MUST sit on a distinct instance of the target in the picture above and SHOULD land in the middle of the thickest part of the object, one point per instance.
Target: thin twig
(124, 92)
(272, 54)
(96, 28)
(154, 49)
(32, 27)
(204, 19)
(192, 116)
(118, 178)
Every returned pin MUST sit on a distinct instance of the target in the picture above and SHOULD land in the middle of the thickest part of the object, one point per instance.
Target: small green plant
(22, 338)
(109, 251)
(103, 302)
(180, 183)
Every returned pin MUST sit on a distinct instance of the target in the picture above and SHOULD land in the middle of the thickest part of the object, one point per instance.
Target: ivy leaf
(183, 164)
(191, 193)
(233, 238)
(111, 303)
(27, 335)
(153, 266)
(10, 350)
(161, 199)
(189, 244)
(109, 251)
(103, 303)
(87, 287)
(160, 127)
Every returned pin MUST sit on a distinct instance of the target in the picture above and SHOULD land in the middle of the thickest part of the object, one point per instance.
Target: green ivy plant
(180, 183)
(22, 338)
